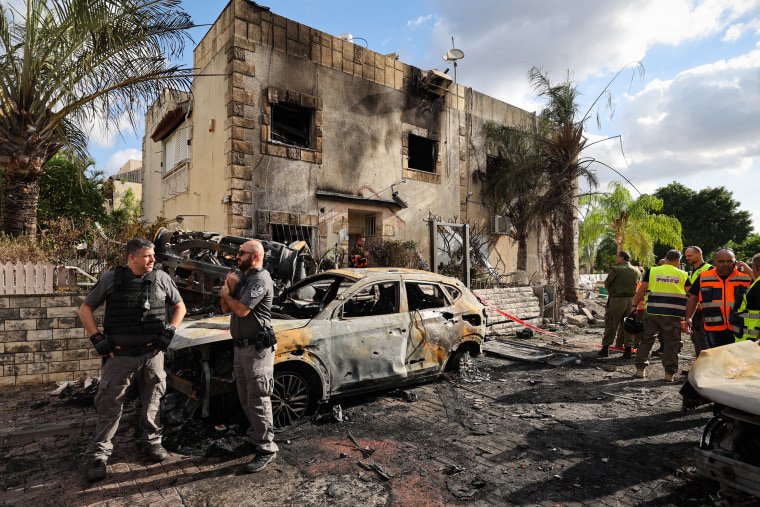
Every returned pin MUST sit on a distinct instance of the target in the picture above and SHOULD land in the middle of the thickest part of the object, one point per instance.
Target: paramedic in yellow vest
(694, 257)
(666, 306)
(749, 309)
(715, 290)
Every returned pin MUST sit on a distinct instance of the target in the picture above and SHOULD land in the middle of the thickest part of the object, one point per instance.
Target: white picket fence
(28, 278)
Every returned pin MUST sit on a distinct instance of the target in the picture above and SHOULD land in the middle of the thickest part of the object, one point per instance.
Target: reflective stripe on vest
(666, 291)
(716, 297)
(751, 317)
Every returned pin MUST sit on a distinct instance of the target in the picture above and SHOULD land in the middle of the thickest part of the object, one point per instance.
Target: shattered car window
(454, 293)
(422, 296)
(376, 299)
(304, 301)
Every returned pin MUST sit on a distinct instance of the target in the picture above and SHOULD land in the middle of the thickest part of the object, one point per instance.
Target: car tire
(292, 399)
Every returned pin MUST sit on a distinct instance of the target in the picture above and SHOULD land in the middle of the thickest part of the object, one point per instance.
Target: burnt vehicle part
(729, 451)
(198, 262)
(340, 333)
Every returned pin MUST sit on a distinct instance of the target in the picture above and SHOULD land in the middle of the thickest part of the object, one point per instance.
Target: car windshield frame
(286, 306)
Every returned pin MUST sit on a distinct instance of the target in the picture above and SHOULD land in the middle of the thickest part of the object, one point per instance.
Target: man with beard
(250, 300)
(716, 290)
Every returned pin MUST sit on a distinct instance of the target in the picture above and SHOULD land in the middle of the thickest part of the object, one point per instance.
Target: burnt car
(341, 332)
(729, 451)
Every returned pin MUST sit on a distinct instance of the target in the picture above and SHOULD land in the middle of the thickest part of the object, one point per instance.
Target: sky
(692, 116)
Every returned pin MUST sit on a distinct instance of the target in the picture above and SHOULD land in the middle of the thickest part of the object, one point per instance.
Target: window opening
(425, 295)
(369, 225)
(422, 153)
(176, 148)
(372, 300)
(291, 125)
(287, 234)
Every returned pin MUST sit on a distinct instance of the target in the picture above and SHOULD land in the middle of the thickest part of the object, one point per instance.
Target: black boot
(605, 352)
(627, 353)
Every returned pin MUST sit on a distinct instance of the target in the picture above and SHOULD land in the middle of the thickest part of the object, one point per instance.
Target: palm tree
(563, 166)
(634, 223)
(67, 63)
(511, 184)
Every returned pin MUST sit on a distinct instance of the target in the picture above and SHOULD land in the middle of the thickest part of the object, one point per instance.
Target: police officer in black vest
(132, 344)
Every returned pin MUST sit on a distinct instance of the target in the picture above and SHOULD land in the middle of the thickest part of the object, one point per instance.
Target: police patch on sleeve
(257, 291)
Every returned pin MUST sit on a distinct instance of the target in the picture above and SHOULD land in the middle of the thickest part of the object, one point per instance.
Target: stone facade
(42, 340)
(365, 122)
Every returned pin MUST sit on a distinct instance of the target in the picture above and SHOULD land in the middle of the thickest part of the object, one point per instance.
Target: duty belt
(242, 342)
(133, 351)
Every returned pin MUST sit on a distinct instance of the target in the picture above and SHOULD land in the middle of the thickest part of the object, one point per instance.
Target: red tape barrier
(514, 318)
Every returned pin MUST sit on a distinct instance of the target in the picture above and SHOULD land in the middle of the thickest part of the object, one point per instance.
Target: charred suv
(729, 451)
(340, 332)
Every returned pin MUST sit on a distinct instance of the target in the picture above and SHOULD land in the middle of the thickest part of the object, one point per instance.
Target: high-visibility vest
(716, 296)
(693, 276)
(751, 318)
(643, 303)
(667, 295)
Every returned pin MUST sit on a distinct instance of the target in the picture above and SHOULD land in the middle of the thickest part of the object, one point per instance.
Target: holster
(263, 339)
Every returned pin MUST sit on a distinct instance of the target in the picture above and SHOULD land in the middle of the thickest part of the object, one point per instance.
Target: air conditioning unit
(501, 225)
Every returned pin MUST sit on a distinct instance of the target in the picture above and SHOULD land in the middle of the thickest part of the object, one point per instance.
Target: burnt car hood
(729, 375)
(215, 329)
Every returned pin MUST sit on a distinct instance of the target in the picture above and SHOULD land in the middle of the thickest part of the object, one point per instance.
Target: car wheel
(291, 399)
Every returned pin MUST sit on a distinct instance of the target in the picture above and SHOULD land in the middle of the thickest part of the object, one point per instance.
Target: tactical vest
(751, 318)
(717, 297)
(666, 291)
(132, 307)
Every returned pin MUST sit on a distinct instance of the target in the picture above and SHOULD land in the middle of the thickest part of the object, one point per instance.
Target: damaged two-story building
(291, 133)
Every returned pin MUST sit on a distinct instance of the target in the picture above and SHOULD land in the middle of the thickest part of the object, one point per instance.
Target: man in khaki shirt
(621, 287)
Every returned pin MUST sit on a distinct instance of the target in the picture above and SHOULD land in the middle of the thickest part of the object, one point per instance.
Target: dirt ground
(518, 433)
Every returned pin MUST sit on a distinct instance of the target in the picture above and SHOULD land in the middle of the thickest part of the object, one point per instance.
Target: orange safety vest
(643, 303)
(717, 298)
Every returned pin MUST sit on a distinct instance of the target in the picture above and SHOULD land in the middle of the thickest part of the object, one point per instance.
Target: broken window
(292, 124)
(422, 296)
(305, 300)
(372, 300)
(422, 153)
(287, 234)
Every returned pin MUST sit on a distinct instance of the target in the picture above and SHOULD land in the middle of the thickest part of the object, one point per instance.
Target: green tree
(562, 166)
(66, 63)
(635, 224)
(67, 191)
(129, 209)
(709, 218)
(746, 249)
(510, 185)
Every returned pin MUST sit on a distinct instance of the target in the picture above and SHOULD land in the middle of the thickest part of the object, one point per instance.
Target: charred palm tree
(65, 64)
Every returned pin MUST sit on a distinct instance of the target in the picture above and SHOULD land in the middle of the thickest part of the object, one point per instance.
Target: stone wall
(519, 302)
(42, 340)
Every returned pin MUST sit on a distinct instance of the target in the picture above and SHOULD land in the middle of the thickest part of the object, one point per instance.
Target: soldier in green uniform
(621, 286)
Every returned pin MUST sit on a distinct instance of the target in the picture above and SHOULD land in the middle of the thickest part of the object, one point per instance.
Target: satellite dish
(454, 55)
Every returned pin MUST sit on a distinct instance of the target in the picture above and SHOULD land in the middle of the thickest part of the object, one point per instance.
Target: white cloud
(503, 40)
(120, 158)
(419, 21)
